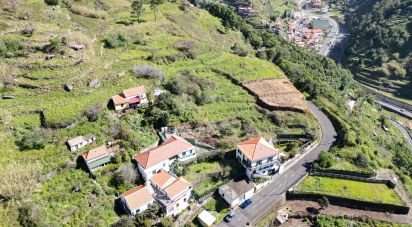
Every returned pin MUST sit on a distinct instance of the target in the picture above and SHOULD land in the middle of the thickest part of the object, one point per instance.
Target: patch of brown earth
(277, 94)
(300, 207)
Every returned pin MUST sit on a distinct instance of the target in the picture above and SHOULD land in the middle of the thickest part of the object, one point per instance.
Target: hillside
(59, 93)
(60, 65)
(380, 44)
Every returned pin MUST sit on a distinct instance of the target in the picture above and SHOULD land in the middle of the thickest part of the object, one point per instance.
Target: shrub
(325, 159)
(188, 47)
(51, 2)
(126, 174)
(148, 71)
(240, 50)
(10, 48)
(361, 160)
(18, 180)
(93, 112)
(77, 38)
(35, 139)
(54, 46)
(87, 11)
(115, 41)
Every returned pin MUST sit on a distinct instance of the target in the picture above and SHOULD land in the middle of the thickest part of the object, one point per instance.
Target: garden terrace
(370, 192)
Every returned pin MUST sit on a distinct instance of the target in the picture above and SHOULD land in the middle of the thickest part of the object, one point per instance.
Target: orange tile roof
(96, 152)
(162, 179)
(257, 148)
(137, 197)
(171, 147)
(177, 187)
(134, 91)
(118, 99)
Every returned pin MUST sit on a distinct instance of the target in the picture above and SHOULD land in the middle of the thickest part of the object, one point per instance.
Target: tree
(137, 9)
(35, 139)
(93, 112)
(126, 174)
(323, 202)
(124, 221)
(166, 222)
(154, 4)
(361, 160)
(325, 159)
(152, 212)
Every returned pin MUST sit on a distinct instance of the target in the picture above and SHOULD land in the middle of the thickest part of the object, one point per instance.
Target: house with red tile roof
(97, 157)
(171, 192)
(258, 156)
(130, 98)
(175, 148)
(137, 199)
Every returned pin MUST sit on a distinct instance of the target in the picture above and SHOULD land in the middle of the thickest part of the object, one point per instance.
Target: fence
(351, 203)
(344, 172)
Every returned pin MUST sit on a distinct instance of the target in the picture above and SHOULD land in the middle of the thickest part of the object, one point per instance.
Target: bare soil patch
(300, 207)
(277, 94)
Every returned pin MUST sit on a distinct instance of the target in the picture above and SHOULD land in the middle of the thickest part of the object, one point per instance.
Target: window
(259, 162)
(154, 172)
(177, 204)
(138, 211)
(184, 199)
(270, 159)
(184, 153)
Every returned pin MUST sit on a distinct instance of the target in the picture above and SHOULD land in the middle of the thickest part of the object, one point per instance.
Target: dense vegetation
(380, 43)
(61, 65)
(362, 144)
(60, 91)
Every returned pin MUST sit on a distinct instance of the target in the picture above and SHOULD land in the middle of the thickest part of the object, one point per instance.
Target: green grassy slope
(37, 85)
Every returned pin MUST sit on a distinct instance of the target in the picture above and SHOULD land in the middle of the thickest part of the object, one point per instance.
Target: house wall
(149, 172)
(121, 106)
(259, 168)
(239, 200)
(178, 205)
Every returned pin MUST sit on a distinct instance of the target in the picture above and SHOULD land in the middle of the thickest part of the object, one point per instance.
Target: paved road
(273, 193)
(395, 108)
(404, 132)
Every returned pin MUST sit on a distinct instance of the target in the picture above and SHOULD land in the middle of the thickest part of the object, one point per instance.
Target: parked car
(230, 216)
(245, 204)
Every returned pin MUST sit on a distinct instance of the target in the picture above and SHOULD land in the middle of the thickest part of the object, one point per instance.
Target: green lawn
(370, 192)
(218, 208)
(200, 169)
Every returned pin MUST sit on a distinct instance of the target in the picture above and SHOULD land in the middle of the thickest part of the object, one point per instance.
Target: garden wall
(350, 176)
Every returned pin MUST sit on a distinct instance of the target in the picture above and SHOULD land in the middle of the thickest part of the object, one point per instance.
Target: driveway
(274, 192)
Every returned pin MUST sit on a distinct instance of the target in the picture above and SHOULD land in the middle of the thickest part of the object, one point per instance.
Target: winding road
(273, 193)
(404, 131)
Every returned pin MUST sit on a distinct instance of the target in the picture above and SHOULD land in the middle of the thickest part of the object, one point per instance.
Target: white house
(161, 157)
(137, 199)
(235, 192)
(258, 157)
(171, 192)
(79, 142)
(130, 98)
(97, 157)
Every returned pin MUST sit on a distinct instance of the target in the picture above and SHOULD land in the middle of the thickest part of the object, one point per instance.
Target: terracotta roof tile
(118, 99)
(171, 147)
(257, 148)
(96, 152)
(137, 197)
(162, 179)
(134, 91)
(177, 187)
